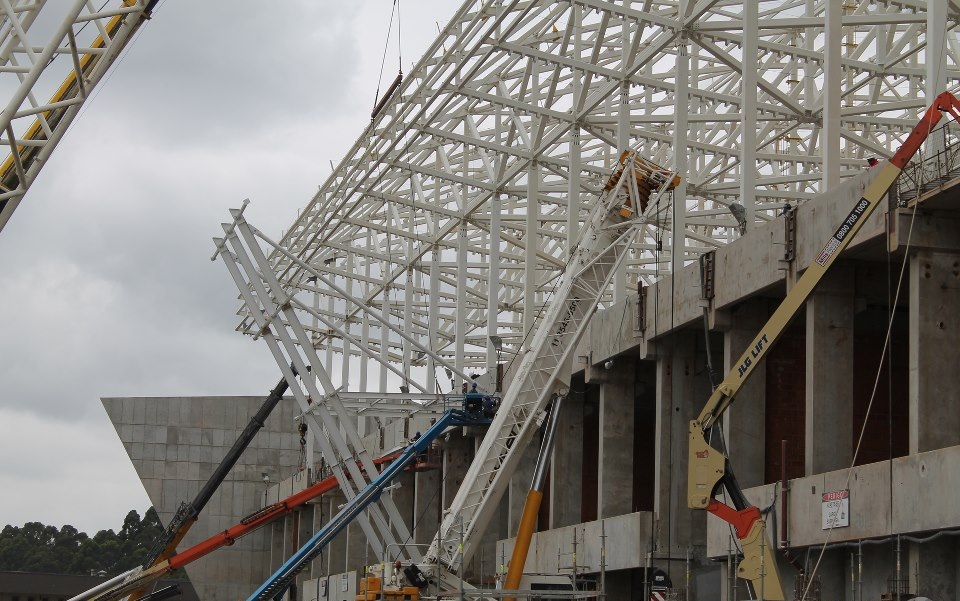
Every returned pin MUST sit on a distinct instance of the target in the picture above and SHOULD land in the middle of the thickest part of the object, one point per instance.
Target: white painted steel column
(681, 105)
(460, 341)
(345, 367)
(573, 181)
(936, 50)
(648, 107)
(936, 59)
(493, 281)
(314, 337)
(434, 317)
(365, 333)
(809, 65)
(316, 307)
(809, 81)
(695, 157)
(531, 238)
(573, 191)
(328, 340)
(408, 311)
(623, 144)
(384, 339)
(748, 120)
(830, 133)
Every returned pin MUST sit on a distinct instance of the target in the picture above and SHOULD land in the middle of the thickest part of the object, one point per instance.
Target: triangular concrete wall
(176, 443)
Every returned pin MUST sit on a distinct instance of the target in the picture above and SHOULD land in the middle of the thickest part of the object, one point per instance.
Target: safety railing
(934, 168)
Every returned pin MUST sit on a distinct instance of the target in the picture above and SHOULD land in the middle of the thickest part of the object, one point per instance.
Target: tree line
(36, 547)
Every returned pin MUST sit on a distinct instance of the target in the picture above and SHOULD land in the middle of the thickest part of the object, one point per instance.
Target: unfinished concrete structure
(457, 210)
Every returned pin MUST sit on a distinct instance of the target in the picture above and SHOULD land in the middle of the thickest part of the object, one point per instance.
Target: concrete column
(359, 553)
(337, 549)
(615, 468)
(457, 455)
(277, 548)
(403, 498)
(745, 421)
(305, 529)
(931, 568)
(829, 367)
(426, 506)
(934, 336)
(318, 567)
(520, 485)
(566, 467)
(483, 564)
(681, 390)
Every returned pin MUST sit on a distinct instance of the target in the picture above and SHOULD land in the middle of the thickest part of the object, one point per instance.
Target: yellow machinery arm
(708, 467)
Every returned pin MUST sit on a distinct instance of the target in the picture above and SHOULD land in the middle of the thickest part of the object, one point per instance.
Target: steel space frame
(456, 209)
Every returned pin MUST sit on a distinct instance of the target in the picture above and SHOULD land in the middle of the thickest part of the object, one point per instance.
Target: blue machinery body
(281, 579)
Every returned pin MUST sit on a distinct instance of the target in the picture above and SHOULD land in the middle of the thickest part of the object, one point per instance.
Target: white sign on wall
(835, 509)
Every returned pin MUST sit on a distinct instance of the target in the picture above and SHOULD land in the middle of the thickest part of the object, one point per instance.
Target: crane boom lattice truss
(78, 43)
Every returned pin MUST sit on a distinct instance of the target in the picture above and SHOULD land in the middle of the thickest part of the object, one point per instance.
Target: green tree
(36, 547)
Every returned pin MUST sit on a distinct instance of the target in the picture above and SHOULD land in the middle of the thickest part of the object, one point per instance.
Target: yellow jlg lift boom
(709, 469)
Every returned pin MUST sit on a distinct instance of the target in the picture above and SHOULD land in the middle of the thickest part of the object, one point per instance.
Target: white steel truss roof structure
(456, 209)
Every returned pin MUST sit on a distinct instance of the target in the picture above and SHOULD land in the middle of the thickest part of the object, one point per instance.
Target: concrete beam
(938, 231)
(625, 538)
(748, 266)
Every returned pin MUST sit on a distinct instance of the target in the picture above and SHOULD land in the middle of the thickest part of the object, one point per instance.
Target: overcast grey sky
(107, 287)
